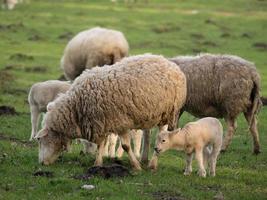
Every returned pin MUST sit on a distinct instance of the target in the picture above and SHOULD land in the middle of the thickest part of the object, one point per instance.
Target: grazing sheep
(93, 47)
(222, 86)
(40, 95)
(196, 137)
(137, 93)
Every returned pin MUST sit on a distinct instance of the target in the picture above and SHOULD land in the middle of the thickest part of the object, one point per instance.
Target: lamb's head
(164, 141)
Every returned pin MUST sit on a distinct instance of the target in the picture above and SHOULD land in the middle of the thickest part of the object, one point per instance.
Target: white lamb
(203, 137)
(40, 95)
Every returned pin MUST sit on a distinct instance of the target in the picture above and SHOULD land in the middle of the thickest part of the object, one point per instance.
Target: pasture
(32, 40)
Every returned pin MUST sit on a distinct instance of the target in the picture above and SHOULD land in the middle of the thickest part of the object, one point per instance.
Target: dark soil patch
(108, 171)
(7, 110)
(62, 78)
(5, 79)
(47, 174)
(36, 69)
(20, 57)
(35, 37)
(264, 101)
(165, 195)
(165, 28)
(196, 51)
(261, 46)
(246, 35)
(16, 140)
(16, 91)
(11, 27)
(210, 44)
(210, 21)
(197, 36)
(66, 36)
(225, 35)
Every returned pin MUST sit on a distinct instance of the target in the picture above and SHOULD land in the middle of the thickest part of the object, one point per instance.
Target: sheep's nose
(157, 149)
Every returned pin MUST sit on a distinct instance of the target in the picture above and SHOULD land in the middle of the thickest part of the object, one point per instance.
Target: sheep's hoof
(256, 151)
(137, 168)
(187, 173)
(202, 173)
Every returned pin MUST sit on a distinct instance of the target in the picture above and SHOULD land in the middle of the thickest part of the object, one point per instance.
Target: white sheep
(93, 47)
(203, 137)
(222, 86)
(138, 92)
(40, 95)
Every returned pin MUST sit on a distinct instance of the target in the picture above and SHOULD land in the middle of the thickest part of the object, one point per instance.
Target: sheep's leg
(153, 164)
(199, 158)
(188, 167)
(120, 150)
(100, 152)
(106, 153)
(206, 155)
(213, 158)
(112, 144)
(137, 140)
(126, 145)
(231, 126)
(35, 118)
(254, 131)
(146, 144)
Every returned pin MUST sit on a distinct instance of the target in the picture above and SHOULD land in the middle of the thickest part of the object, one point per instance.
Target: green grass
(167, 27)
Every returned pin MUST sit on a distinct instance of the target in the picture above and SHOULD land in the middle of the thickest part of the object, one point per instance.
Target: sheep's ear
(50, 106)
(41, 134)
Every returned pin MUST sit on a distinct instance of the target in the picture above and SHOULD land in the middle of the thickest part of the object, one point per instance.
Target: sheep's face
(162, 142)
(50, 146)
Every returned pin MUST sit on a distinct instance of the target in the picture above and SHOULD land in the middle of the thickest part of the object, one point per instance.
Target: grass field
(32, 39)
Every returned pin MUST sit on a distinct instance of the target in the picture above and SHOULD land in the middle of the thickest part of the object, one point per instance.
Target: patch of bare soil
(260, 46)
(11, 27)
(197, 36)
(21, 57)
(66, 36)
(246, 35)
(210, 44)
(165, 195)
(108, 171)
(36, 69)
(5, 78)
(225, 35)
(35, 37)
(165, 28)
(47, 174)
(7, 110)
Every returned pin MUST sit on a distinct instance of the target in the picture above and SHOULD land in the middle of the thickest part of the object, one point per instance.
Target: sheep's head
(51, 144)
(163, 142)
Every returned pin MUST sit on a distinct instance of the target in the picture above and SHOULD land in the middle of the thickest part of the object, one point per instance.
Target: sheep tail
(255, 98)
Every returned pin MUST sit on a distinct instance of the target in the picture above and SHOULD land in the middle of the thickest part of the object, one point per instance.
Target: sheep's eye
(163, 140)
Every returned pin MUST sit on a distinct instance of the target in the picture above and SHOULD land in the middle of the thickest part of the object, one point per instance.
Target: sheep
(10, 4)
(93, 47)
(222, 86)
(110, 146)
(139, 92)
(203, 137)
(40, 95)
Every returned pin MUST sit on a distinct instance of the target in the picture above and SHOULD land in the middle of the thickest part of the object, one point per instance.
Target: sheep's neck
(178, 141)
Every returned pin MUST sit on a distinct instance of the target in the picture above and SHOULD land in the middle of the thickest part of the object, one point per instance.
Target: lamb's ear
(50, 106)
(175, 131)
(41, 134)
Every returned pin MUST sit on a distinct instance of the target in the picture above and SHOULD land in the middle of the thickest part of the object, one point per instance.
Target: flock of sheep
(111, 94)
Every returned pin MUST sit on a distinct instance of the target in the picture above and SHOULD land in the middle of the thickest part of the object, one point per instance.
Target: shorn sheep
(93, 47)
(222, 86)
(40, 95)
(203, 137)
(139, 92)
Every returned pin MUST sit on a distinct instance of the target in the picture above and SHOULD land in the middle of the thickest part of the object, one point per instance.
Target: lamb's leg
(146, 144)
(35, 117)
(153, 164)
(199, 158)
(100, 152)
(231, 126)
(106, 153)
(213, 158)
(120, 150)
(188, 167)
(254, 131)
(206, 155)
(126, 145)
(137, 140)
(112, 144)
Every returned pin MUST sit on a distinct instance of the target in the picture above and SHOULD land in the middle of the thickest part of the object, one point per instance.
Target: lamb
(93, 47)
(222, 86)
(40, 95)
(196, 137)
(110, 146)
(139, 92)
